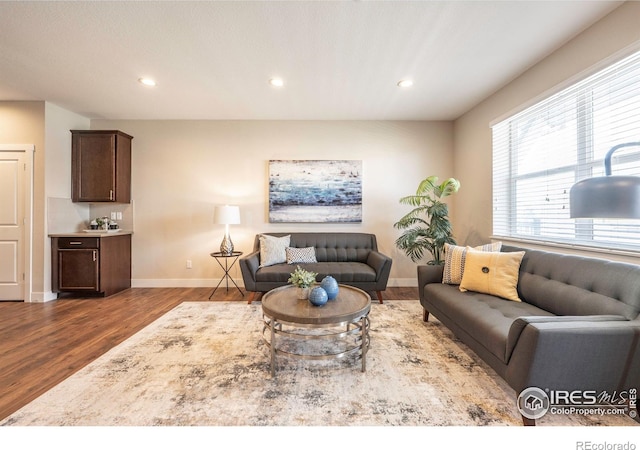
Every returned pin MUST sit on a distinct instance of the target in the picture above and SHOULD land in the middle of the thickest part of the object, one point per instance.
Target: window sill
(613, 254)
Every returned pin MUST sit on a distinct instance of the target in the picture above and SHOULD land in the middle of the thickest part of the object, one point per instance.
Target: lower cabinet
(96, 264)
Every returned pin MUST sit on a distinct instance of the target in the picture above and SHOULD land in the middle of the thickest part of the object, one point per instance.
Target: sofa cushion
(300, 255)
(272, 249)
(454, 259)
(567, 300)
(575, 285)
(334, 247)
(492, 273)
(344, 272)
(485, 317)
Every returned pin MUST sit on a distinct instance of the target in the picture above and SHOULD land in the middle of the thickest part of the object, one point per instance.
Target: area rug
(205, 363)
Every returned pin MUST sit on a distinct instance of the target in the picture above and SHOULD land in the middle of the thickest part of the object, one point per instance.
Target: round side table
(219, 256)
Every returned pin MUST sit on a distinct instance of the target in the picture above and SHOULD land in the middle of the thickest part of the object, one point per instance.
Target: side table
(218, 256)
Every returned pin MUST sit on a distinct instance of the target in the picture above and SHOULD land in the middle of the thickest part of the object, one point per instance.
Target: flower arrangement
(302, 278)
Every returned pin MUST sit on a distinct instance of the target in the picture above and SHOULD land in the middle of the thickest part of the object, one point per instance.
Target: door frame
(28, 150)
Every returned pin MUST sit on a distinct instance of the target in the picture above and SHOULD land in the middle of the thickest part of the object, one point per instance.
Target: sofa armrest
(521, 322)
(574, 354)
(428, 274)
(381, 264)
(249, 265)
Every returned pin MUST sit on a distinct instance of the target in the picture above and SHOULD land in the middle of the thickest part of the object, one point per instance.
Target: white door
(14, 179)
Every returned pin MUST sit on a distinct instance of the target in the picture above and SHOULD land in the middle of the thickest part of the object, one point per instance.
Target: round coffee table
(342, 321)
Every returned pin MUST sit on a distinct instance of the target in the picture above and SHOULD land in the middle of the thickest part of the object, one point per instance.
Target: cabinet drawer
(78, 242)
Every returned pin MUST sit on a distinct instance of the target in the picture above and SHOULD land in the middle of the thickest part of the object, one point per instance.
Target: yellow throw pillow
(492, 273)
(454, 257)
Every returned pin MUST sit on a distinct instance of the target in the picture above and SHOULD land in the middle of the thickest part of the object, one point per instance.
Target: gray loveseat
(577, 327)
(351, 258)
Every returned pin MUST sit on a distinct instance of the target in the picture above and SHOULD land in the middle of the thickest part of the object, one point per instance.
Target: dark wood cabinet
(96, 264)
(100, 166)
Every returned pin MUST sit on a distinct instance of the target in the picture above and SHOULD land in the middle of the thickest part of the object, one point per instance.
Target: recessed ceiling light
(147, 81)
(277, 82)
(405, 83)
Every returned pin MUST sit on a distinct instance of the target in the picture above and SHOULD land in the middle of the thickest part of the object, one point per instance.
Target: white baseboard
(212, 282)
(179, 282)
(42, 297)
(402, 282)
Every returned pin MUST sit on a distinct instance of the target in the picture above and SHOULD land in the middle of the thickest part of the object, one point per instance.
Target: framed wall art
(315, 191)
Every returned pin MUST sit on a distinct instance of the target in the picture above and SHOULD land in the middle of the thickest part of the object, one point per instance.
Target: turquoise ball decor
(318, 296)
(330, 285)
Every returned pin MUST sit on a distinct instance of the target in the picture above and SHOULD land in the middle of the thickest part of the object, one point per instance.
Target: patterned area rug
(206, 364)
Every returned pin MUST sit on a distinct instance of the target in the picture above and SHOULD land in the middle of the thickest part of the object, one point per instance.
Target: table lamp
(227, 215)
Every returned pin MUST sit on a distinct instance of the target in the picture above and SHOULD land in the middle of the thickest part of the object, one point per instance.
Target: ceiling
(340, 60)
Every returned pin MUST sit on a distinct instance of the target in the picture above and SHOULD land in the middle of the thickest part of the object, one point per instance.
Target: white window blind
(539, 153)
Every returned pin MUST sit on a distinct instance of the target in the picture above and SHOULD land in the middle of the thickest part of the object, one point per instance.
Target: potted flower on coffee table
(302, 280)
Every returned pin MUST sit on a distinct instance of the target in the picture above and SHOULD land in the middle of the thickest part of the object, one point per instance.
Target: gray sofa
(577, 327)
(351, 258)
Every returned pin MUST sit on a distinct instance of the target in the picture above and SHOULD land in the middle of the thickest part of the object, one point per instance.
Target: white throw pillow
(272, 249)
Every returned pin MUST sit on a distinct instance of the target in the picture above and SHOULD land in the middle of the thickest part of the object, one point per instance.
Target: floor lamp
(614, 197)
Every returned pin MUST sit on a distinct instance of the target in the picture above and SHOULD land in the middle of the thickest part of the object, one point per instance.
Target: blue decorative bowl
(318, 296)
(330, 285)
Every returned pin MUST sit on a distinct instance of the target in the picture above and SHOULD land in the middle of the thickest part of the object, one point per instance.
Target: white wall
(23, 123)
(182, 169)
(617, 34)
(59, 210)
(47, 127)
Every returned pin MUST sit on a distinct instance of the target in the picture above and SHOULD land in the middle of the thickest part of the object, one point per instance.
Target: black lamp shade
(606, 197)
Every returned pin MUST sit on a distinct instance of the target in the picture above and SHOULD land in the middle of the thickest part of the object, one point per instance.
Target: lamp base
(226, 246)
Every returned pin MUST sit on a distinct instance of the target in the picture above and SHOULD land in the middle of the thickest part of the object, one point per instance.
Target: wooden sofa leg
(528, 422)
(425, 315)
(379, 296)
(252, 295)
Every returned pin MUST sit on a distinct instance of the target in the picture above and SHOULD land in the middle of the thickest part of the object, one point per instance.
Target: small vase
(318, 296)
(330, 285)
(303, 292)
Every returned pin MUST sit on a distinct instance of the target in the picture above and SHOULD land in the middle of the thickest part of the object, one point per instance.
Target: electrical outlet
(189, 264)
(113, 215)
(119, 215)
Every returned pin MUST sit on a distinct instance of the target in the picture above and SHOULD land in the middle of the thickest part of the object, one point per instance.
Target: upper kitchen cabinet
(100, 166)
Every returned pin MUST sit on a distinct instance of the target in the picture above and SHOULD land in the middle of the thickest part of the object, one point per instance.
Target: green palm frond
(427, 185)
(415, 200)
(450, 186)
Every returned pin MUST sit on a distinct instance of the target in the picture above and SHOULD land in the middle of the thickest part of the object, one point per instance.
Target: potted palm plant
(427, 226)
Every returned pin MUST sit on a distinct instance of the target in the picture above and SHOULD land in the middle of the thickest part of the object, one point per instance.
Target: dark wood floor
(41, 344)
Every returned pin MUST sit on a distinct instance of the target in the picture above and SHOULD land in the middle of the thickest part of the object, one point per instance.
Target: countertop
(92, 233)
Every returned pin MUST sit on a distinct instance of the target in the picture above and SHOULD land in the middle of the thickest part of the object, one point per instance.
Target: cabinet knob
(110, 194)
(95, 255)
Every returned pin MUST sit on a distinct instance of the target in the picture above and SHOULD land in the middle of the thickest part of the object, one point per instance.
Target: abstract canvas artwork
(315, 191)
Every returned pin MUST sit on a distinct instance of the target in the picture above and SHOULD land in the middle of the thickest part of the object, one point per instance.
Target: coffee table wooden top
(282, 304)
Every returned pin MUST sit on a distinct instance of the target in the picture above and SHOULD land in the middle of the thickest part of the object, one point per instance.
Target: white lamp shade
(227, 215)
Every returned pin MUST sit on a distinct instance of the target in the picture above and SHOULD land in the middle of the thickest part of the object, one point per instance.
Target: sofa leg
(425, 315)
(379, 296)
(528, 422)
(252, 296)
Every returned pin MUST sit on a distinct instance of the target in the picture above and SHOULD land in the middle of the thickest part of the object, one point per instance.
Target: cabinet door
(78, 270)
(93, 160)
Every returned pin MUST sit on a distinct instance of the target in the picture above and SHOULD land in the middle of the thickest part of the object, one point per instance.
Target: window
(539, 153)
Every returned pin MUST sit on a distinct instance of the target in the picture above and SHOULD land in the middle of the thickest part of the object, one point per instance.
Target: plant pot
(303, 292)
